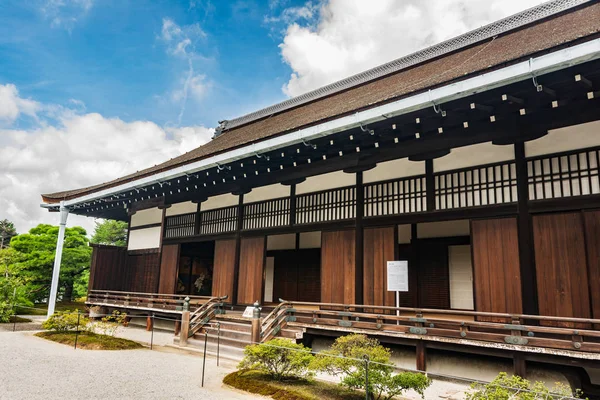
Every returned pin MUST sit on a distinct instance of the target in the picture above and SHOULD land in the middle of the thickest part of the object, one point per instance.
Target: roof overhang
(533, 67)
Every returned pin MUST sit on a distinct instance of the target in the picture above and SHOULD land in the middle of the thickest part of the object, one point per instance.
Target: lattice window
(398, 196)
(180, 225)
(476, 186)
(266, 214)
(327, 205)
(566, 174)
(219, 220)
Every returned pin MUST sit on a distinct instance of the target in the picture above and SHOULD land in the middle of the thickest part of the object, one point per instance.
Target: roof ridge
(485, 32)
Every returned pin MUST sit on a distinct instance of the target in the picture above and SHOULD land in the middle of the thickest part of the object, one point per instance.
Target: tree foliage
(7, 231)
(12, 287)
(505, 387)
(351, 356)
(110, 232)
(37, 249)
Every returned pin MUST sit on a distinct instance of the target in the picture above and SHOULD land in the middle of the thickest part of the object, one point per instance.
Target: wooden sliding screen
(496, 265)
(252, 259)
(592, 235)
(561, 265)
(169, 263)
(338, 267)
(379, 248)
(224, 269)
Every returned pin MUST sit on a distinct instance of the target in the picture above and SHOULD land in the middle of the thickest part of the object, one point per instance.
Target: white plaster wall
(182, 208)
(148, 238)
(223, 200)
(267, 192)
(394, 169)
(281, 242)
(310, 240)
(326, 181)
(443, 229)
(269, 274)
(565, 139)
(467, 156)
(404, 234)
(147, 217)
(461, 277)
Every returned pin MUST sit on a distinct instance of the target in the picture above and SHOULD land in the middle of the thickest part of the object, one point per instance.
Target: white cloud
(180, 42)
(11, 105)
(65, 13)
(77, 151)
(350, 36)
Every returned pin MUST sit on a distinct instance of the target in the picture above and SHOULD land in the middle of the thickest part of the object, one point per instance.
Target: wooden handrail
(450, 312)
(150, 294)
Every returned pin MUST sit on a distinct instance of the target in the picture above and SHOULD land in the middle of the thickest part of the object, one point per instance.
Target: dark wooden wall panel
(108, 269)
(561, 265)
(169, 263)
(297, 275)
(433, 274)
(592, 235)
(224, 268)
(143, 272)
(496, 265)
(379, 248)
(252, 260)
(338, 281)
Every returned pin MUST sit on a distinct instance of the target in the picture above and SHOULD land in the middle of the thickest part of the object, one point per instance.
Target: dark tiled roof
(495, 52)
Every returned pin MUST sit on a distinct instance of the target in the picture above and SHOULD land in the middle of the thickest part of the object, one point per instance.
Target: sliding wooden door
(224, 269)
(252, 260)
(338, 267)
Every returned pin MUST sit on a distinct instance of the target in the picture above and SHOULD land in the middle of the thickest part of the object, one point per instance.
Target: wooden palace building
(476, 160)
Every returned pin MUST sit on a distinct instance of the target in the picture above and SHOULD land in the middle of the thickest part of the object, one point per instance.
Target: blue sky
(91, 90)
(112, 56)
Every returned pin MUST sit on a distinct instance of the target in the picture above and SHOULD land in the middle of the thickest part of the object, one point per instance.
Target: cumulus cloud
(78, 150)
(12, 105)
(337, 38)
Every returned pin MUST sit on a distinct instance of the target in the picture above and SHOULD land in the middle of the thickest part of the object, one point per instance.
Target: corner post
(255, 323)
(358, 246)
(185, 323)
(64, 213)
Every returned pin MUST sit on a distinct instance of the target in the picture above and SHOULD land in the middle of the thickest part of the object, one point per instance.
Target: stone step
(227, 333)
(229, 341)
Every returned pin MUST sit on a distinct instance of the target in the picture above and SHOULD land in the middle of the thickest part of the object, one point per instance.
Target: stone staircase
(230, 336)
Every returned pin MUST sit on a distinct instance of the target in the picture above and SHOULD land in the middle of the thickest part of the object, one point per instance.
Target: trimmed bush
(279, 358)
(505, 387)
(351, 356)
(65, 321)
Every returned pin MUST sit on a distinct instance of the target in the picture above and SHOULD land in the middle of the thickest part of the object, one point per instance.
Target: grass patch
(42, 308)
(297, 389)
(90, 341)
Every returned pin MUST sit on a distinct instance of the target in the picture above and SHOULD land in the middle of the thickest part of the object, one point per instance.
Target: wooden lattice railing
(479, 328)
(172, 303)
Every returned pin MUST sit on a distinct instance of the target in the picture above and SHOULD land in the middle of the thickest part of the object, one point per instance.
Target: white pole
(64, 213)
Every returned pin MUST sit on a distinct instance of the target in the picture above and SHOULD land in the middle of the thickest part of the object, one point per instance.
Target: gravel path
(33, 368)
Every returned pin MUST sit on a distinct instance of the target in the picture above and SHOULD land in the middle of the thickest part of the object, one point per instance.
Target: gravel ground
(33, 368)
(34, 325)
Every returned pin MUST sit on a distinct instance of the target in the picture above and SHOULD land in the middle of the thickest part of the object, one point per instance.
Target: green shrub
(279, 358)
(351, 356)
(6, 311)
(109, 324)
(505, 387)
(63, 321)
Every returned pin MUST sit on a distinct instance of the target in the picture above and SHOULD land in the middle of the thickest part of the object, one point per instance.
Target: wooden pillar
(293, 204)
(238, 241)
(526, 257)
(149, 323)
(421, 356)
(185, 328)
(177, 328)
(197, 221)
(358, 246)
(519, 365)
(429, 185)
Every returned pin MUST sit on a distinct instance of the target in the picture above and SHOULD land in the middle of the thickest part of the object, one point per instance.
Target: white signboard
(397, 276)
(248, 312)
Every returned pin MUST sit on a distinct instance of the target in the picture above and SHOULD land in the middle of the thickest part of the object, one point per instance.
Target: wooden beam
(358, 245)
(238, 242)
(579, 78)
(526, 257)
(430, 184)
(421, 350)
(519, 365)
